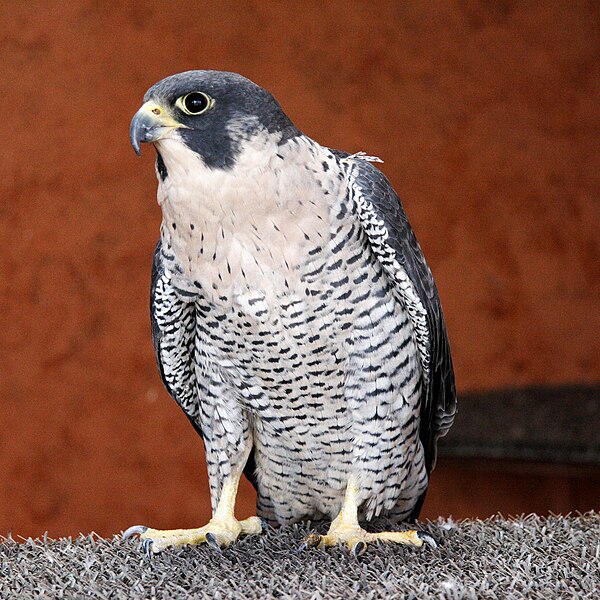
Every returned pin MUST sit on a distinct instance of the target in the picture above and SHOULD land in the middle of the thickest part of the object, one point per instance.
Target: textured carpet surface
(530, 557)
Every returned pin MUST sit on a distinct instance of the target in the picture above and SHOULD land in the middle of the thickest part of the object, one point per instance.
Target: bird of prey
(294, 317)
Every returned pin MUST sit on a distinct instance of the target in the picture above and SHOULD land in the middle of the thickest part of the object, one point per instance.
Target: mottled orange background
(487, 116)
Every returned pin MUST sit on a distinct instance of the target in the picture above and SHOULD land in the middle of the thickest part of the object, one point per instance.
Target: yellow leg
(222, 530)
(345, 529)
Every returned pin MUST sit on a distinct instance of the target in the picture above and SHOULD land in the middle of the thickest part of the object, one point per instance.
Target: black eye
(194, 103)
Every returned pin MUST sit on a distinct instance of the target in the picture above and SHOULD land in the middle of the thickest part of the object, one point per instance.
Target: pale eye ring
(194, 103)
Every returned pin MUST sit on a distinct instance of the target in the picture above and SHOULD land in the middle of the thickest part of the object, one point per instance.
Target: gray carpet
(529, 557)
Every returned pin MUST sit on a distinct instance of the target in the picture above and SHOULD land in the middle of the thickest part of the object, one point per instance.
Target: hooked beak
(149, 124)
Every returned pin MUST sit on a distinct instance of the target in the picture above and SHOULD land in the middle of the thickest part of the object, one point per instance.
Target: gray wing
(173, 330)
(393, 240)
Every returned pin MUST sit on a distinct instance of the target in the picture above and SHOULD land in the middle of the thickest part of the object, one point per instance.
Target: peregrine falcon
(294, 318)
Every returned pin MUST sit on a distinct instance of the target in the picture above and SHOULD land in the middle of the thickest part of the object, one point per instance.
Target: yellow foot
(356, 538)
(217, 533)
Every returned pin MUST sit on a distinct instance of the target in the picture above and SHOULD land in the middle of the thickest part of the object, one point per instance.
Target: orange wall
(486, 114)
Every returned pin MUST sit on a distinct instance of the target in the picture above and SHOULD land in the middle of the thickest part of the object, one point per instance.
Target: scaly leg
(345, 529)
(222, 530)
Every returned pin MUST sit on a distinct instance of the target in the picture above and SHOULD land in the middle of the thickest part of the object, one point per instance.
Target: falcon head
(211, 113)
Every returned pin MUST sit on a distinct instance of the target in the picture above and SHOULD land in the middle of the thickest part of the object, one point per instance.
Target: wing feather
(173, 333)
(173, 330)
(393, 240)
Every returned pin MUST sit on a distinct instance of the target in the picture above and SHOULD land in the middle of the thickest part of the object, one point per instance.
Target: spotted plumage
(294, 317)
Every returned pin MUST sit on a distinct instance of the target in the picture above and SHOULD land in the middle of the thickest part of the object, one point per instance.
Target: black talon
(359, 549)
(147, 547)
(134, 530)
(264, 525)
(427, 539)
(211, 540)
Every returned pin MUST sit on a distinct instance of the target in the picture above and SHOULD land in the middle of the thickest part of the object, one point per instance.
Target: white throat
(248, 227)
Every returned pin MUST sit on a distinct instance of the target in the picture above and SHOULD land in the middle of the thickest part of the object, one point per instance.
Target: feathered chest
(251, 228)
